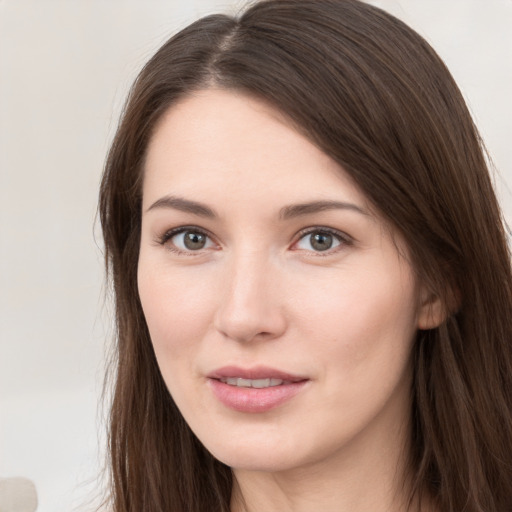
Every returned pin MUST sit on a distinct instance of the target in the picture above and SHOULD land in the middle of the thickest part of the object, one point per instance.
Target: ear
(432, 310)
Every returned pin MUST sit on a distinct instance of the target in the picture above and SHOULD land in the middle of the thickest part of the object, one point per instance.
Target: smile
(254, 390)
(252, 383)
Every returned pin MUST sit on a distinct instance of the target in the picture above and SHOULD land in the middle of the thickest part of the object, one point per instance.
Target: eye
(187, 240)
(320, 240)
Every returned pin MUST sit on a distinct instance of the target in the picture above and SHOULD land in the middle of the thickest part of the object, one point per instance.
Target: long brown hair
(373, 95)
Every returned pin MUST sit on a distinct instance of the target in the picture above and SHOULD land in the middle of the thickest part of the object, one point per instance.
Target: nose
(250, 305)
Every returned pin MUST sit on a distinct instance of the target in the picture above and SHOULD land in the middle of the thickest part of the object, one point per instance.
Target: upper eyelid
(169, 233)
(325, 229)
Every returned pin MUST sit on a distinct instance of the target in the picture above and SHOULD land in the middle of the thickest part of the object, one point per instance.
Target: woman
(313, 288)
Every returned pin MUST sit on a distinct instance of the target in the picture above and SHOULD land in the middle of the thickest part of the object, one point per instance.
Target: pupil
(321, 241)
(194, 241)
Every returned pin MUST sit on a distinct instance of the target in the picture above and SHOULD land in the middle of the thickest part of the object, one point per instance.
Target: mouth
(254, 390)
(253, 383)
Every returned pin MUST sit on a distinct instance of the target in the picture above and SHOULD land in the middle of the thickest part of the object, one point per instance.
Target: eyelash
(168, 235)
(343, 239)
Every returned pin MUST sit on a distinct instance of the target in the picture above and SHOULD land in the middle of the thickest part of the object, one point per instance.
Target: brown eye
(194, 241)
(187, 240)
(319, 241)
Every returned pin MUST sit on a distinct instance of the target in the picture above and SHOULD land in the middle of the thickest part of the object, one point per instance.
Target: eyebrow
(184, 205)
(297, 210)
(287, 212)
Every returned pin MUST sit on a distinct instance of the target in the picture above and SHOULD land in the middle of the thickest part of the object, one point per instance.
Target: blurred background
(65, 68)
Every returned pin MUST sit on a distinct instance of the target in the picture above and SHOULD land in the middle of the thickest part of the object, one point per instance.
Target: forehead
(214, 142)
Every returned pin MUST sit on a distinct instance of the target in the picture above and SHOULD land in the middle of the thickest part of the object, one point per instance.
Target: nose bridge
(249, 303)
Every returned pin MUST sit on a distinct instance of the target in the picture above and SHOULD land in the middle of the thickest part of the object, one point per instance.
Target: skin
(259, 293)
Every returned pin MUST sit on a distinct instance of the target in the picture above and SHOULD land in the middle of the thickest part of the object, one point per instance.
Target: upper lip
(254, 373)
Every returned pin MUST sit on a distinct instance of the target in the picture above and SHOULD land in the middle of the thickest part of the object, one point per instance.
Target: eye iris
(321, 241)
(194, 241)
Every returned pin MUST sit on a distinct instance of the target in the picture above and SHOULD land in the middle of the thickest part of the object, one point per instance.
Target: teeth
(261, 383)
(252, 383)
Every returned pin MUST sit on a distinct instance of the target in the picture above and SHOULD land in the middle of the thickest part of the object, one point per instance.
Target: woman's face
(281, 308)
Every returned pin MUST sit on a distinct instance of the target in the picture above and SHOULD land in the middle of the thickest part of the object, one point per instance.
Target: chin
(268, 461)
(265, 453)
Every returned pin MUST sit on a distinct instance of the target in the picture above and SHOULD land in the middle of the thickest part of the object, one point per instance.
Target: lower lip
(254, 399)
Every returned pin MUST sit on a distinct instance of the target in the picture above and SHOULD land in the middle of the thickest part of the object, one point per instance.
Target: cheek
(178, 310)
(361, 320)
(178, 313)
(360, 330)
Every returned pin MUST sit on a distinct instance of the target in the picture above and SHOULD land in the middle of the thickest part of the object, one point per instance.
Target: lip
(254, 400)
(256, 372)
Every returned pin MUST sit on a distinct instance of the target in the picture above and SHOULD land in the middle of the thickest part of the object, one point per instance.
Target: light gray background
(65, 66)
